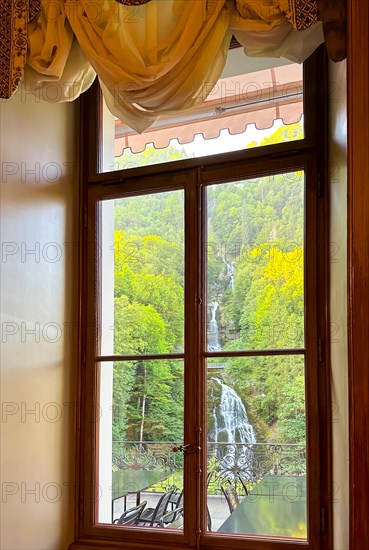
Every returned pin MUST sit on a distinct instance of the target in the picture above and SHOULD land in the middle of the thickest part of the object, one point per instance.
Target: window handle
(186, 449)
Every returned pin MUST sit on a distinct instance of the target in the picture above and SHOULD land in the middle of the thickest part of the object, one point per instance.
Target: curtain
(152, 57)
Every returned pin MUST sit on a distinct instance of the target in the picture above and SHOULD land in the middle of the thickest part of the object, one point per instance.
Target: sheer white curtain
(155, 58)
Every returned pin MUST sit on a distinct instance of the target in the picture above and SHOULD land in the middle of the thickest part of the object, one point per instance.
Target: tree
(149, 316)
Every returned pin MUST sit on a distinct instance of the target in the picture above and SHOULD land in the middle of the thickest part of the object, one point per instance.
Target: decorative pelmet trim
(301, 14)
(34, 8)
(133, 2)
(306, 14)
(13, 42)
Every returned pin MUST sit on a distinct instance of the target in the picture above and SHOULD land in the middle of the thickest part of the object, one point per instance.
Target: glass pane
(141, 419)
(255, 263)
(252, 104)
(257, 446)
(143, 274)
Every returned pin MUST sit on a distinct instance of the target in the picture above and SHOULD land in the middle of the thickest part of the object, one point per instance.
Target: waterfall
(230, 274)
(213, 329)
(213, 338)
(230, 421)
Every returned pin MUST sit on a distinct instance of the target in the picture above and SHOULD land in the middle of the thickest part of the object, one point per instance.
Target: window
(204, 379)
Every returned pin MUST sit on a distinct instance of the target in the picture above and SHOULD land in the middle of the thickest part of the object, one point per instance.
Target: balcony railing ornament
(142, 456)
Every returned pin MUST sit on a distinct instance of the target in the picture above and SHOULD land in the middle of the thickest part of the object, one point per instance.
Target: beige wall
(338, 301)
(38, 204)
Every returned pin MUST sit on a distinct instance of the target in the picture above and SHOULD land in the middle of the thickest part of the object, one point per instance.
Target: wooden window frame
(310, 151)
(358, 267)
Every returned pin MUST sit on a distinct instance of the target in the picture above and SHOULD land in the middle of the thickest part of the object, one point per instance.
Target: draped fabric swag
(152, 57)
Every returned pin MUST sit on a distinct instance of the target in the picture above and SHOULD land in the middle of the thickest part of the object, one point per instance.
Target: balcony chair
(176, 499)
(173, 519)
(131, 516)
(242, 481)
(152, 516)
(231, 495)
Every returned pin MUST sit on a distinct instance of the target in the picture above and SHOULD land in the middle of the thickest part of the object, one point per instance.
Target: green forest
(255, 286)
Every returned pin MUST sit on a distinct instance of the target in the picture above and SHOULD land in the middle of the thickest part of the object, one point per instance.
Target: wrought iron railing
(251, 461)
(144, 455)
(255, 460)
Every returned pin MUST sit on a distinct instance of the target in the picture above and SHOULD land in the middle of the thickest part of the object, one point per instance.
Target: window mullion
(193, 382)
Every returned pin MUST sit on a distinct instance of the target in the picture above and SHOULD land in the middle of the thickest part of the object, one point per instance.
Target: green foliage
(152, 275)
(159, 214)
(139, 328)
(285, 133)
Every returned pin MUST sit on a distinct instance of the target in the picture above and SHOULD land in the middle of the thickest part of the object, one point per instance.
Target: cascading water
(213, 329)
(213, 338)
(230, 274)
(230, 420)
